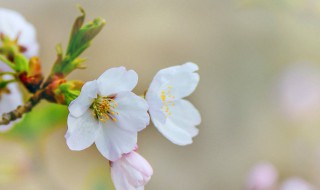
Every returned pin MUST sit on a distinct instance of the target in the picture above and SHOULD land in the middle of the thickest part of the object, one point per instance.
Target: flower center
(104, 108)
(167, 101)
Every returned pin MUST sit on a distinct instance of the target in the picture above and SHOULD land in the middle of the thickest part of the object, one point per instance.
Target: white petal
(119, 180)
(183, 113)
(81, 104)
(179, 81)
(155, 107)
(9, 102)
(113, 141)
(174, 134)
(81, 131)
(133, 112)
(180, 125)
(116, 80)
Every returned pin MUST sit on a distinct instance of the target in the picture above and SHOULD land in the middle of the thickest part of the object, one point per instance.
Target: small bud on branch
(80, 39)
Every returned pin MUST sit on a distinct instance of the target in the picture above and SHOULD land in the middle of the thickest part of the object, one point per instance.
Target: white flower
(296, 184)
(173, 116)
(13, 25)
(10, 97)
(131, 172)
(107, 113)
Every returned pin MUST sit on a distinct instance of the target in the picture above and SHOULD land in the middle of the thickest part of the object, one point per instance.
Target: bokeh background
(259, 94)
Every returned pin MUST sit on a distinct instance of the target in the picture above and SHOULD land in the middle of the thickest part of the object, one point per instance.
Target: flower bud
(32, 77)
(80, 39)
(131, 171)
(68, 91)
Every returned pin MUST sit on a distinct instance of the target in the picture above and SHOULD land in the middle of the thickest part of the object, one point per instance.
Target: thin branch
(6, 118)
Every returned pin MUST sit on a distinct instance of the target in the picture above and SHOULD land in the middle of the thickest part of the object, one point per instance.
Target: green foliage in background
(97, 180)
(40, 121)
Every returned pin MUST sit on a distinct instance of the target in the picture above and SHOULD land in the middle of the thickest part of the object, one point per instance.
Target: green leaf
(21, 63)
(80, 39)
(57, 67)
(78, 22)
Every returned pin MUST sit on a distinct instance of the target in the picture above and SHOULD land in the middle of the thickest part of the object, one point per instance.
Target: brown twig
(6, 118)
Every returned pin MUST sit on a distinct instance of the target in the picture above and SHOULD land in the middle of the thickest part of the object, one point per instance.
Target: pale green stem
(7, 73)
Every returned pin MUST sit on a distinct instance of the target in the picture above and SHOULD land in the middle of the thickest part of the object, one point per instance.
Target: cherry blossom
(173, 116)
(107, 113)
(14, 25)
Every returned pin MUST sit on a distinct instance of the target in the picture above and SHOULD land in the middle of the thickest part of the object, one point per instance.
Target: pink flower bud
(262, 177)
(131, 172)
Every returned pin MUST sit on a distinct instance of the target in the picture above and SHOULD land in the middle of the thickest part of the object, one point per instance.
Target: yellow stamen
(103, 109)
(163, 96)
(167, 100)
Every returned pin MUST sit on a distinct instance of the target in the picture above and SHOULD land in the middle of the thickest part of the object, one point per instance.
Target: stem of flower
(6, 118)
(7, 73)
(6, 61)
(3, 84)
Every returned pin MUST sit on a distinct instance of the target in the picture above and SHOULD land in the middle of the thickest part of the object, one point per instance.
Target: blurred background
(259, 93)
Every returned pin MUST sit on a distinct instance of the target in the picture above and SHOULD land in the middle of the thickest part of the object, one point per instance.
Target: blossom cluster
(108, 114)
(105, 111)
